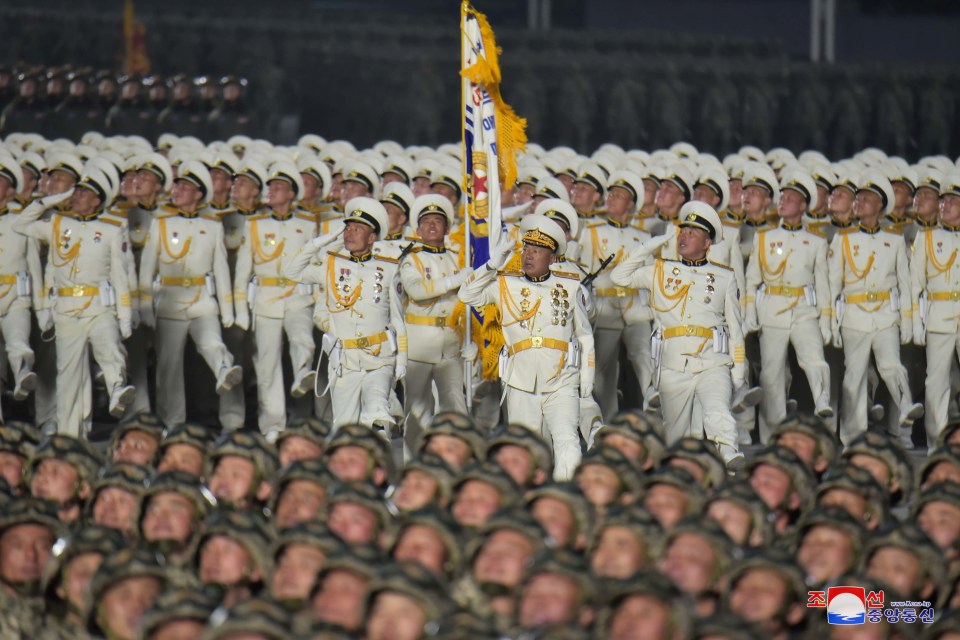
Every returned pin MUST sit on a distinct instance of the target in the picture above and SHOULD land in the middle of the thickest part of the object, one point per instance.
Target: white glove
(126, 329)
(469, 351)
(45, 319)
(752, 323)
(739, 375)
(55, 199)
(586, 389)
(825, 331)
(906, 332)
(135, 316)
(328, 342)
(500, 254)
(227, 321)
(147, 317)
(243, 320)
(321, 241)
(400, 371)
(453, 282)
(837, 338)
(919, 335)
(652, 244)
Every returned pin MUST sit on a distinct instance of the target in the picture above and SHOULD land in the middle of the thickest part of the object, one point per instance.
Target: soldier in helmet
(671, 494)
(302, 439)
(456, 438)
(635, 435)
(522, 453)
(809, 438)
(338, 596)
(355, 454)
(115, 497)
(430, 538)
(558, 591)
(17, 442)
(125, 586)
(828, 544)
(254, 619)
(742, 515)
(233, 553)
(563, 512)
(696, 553)
(768, 590)
(299, 554)
(937, 512)
(626, 541)
(184, 448)
(357, 513)
(426, 480)
(783, 482)
(907, 560)
(855, 490)
(67, 576)
(300, 493)
(179, 614)
(886, 461)
(606, 478)
(62, 470)
(645, 606)
(405, 602)
(172, 510)
(243, 464)
(699, 458)
(942, 465)
(28, 529)
(480, 491)
(136, 440)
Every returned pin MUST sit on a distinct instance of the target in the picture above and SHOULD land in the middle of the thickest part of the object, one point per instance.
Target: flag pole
(467, 186)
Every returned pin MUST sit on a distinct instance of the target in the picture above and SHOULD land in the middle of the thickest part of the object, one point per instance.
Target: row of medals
(344, 289)
(559, 300)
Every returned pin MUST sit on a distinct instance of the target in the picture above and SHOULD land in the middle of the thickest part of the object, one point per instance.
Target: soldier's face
(122, 607)
(447, 192)
(84, 201)
(24, 550)
(293, 448)
(350, 463)
(690, 563)
(599, 484)
(395, 616)
(232, 480)
(516, 461)
(179, 630)
(791, 205)
(549, 599)
(584, 197)
(823, 196)
(946, 471)
(875, 466)
(11, 468)
(667, 503)
(640, 616)
(55, 480)
(77, 576)
(244, 189)
(649, 193)
(897, 567)
(280, 193)
(301, 501)
(509, 197)
(756, 200)
(867, 205)
(311, 187)
(536, 260)
(772, 484)
(940, 521)
(182, 457)
(902, 195)
(353, 523)
(669, 198)
(618, 554)
(503, 558)
(186, 195)
(732, 518)
(825, 553)
(351, 189)
(225, 561)
(841, 201)
(60, 181)
(926, 202)
(692, 243)
(29, 183)
(137, 447)
(451, 449)
(6, 189)
(736, 194)
(619, 201)
(421, 186)
(567, 181)
(296, 571)
(128, 184)
(556, 518)
(148, 184)
(358, 238)
(850, 501)
(703, 193)
(389, 177)
(475, 503)
(950, 210)
(760, 596)
(417, 489)
(800, 443)
(221, 181)
(340, 598)
(168, 516)
(431, 228)
(396, 216)
(116, 508)
(630, 448)
(525, 193)
(423, 545)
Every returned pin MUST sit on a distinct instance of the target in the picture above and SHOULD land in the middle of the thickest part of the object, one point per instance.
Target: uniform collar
(926, 225)
(542, 278)
(92, 216)
(430, 249)
(281, 217)
(733, 215)
(246, 212)
(394, 236)
(906, 219)
(618, 225)
(841, 225)
(947, 227)
(791, 227)
(220, 206)
(188, 214)
(144, 207)
(818, 216)
(364, 258)
(870, 231)
(665, 218)
(750, 222)
(584, 216)
(694, 263)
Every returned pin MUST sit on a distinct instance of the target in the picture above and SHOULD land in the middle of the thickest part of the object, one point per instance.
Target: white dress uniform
(935, 277)
(870, 282)
(788, 300)
(139, 344)
(21, 281)
(91, 304)
(185, 285)
(359, 308)
(622, 314)
(699, 342)
(280, 306)
(548, 341)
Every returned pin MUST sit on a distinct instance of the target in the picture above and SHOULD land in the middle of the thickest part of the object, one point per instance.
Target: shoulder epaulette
(717, 264)
(336, 254)
(120, 213)
(411, 238)
(113, 221)
(567, 274)
(511, 272)
(309, 217)
(817, 231)
(382, 258)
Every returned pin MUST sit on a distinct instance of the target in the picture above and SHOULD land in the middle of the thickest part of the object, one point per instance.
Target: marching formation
(600, 431)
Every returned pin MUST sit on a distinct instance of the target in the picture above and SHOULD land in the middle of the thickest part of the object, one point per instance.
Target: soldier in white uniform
(21, 279)
(788, 298)
(280, 306)
(699, 342)
(90, 296)
(397, 199)
(360, 312)
(622, 315)
(550, 357)
(185, 290)
(431, 276)
(935, 276)
(870, 282)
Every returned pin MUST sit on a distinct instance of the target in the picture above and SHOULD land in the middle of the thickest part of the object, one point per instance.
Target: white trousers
(681, 392)
(419, 399)
(808, 344)
(362, 397)
(171, 338)
(857, 347)
(268, 360)
(636, 339)
(138, 349)
(942, 352)
(556, 415)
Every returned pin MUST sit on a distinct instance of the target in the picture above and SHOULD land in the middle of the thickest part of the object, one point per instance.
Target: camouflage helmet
(701, 452)
(947, 432)
(652, 584)
(641, 421)
(494, 475)
(948, 492)
(244, 527)
(309, 428)
(570, 565)
(415, 582)
(834, 517)
(459, 425)
(883, 447)
(640, 427)
(314, 471)
(180, 604)
(801, 477)
(436, 467)
(145, 421)
(910, 537)
(358, 435)
(251, 446)
(464, 623)
(320, 630)
(774, 559)
(569, 494)
(440, 521)
(364, 560)
(119, 566)
(848, 476)
(681, 479)
(742, 494)
(79, 453)
(184, 484)
(828, 444)
(723, 547)
(92, 538)
(194, 434)
(949, 454)
(518, 519)
(626, 472)
(125, 475)
(19, 438)
(30, 510)
(723, 624)
(638, 521)
(257, 615)
(311, 533)
(521, 436)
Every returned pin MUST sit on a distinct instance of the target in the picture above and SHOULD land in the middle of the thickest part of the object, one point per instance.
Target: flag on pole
(135, 60)
(492, 136)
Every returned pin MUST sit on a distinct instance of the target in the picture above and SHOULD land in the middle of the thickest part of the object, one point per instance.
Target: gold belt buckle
(281, 282)
(77, 290)
(439, 321)
(536, 342)
(690, 329)
(621, 292)
(872, 296)
(363, 343)
(186, 282)
(955, 295)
